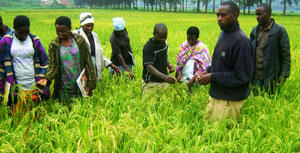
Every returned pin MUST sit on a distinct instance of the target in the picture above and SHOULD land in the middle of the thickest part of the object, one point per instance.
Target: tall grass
(117, 119)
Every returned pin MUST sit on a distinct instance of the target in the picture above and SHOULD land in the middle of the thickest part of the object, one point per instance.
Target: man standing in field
(4, 30)
(271, 46)
(155, 61)
(232, 67)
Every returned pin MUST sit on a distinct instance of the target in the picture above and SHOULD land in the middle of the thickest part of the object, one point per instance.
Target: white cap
(118, 23)
(86, 17)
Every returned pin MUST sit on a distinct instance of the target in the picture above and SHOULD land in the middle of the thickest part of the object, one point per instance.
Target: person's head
(21, 26)
(119, 25)
(160, 33)
(263, 14)
(227, 14)
(1, 27)
(192, 35)
(87, 22)
(63, 27)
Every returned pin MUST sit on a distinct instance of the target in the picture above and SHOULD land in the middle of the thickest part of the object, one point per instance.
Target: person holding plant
(231, 69)
(121, 50)
(155, 61)
(23, 62)
(98, 59)
(69, 55)
(193, 58)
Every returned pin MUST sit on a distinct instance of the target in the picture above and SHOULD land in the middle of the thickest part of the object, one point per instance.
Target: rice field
(117, 119)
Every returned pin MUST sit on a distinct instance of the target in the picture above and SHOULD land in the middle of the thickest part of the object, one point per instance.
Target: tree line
(175, 5)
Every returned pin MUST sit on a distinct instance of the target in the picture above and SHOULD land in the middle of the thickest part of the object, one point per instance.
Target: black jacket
(232, 66)
(276, 52)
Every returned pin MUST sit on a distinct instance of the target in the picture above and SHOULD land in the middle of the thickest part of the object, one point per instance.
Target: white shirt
(22, 59)
(188, 71)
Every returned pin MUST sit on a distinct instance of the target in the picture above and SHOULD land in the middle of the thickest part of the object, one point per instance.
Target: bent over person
(121, 50)
(69, 55)
(231, 69)
(86, 31)
(271, 46)
(23, 62)
(155, 61)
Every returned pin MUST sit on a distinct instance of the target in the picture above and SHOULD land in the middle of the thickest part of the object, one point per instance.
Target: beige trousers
(219, 109)
(153, 87)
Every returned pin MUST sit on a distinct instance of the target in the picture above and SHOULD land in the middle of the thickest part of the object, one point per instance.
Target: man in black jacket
(271, 46)
(232, 67)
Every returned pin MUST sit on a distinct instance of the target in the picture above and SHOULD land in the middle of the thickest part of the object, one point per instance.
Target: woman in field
(193, 58)
(121, 50)
(86, 31)
(23, 62)
(69, 55)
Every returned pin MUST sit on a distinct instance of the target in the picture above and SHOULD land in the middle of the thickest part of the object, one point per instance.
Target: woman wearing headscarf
(193, 58)
(121, 50)
(69, 55)
(96, 51)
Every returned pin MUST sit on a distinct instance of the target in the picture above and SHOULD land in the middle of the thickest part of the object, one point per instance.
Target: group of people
(237, 61)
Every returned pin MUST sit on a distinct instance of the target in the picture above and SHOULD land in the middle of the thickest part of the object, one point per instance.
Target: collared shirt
(261, 41)
(156, 55)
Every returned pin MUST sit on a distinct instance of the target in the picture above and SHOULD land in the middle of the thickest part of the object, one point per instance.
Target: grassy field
(116, 119)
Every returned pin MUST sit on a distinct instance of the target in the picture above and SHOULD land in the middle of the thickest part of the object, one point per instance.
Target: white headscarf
(86, 17)
(118, 23)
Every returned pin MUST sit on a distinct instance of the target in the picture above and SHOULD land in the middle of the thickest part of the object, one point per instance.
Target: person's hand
(114, 67)
(200, 75)
(130, 75)
(88, 91)
(204, 79)
(42, 82)
(191, 82)
(171, 68)
(170, 79)
(179, 77)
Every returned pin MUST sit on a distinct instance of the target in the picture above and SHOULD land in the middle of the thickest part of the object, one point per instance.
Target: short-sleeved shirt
(120, 44)
(156, 55)
(23, 64)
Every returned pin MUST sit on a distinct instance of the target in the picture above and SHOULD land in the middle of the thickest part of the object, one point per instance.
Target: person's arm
(44, 61)
(153, 71)
(179, 76)
(170, 67)
(2, 69)
(242, 72)
(90, 69)
(285, 56)
(117, 52)
(53, 69)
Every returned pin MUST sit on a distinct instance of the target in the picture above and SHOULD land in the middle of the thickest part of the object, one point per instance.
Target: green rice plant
(117, 119)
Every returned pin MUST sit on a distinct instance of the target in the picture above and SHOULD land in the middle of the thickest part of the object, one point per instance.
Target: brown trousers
(219, 109)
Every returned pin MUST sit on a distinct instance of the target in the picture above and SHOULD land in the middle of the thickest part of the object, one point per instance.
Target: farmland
(117, 119)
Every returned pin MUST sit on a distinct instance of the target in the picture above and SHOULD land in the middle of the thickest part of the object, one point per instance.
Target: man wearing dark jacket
(232, 67)
(271, 46)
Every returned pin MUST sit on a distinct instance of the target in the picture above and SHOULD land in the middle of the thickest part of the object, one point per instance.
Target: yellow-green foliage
(117, 119)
